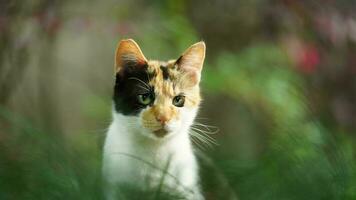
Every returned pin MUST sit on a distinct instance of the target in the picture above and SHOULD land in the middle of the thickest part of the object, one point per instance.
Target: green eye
(179, 101)
(144, 99)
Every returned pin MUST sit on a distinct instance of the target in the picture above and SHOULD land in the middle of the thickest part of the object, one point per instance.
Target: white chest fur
(132, 158)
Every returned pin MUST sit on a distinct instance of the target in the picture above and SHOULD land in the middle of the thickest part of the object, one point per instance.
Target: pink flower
(308, 59)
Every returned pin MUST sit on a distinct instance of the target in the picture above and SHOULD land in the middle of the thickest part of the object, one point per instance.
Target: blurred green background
(278, 82)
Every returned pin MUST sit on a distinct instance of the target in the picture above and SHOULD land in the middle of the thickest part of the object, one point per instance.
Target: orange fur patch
(166, 90)
(169, 79)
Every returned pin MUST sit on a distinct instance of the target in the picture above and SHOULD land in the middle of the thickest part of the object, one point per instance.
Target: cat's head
(160, 98)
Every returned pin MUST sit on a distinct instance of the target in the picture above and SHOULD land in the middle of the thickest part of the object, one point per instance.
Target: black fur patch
(127, 86)
(178, 60)
(165, 72)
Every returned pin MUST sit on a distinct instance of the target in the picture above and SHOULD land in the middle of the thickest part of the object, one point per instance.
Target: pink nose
(162, 119)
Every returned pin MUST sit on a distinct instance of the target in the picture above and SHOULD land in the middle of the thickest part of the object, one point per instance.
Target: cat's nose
(162, 119)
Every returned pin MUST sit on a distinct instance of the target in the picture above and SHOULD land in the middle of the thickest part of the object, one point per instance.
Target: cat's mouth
(161, 132)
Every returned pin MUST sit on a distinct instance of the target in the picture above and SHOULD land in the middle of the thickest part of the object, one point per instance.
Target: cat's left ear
(191, 62)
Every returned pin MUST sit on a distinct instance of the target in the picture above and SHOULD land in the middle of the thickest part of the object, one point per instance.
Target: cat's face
(161, 98)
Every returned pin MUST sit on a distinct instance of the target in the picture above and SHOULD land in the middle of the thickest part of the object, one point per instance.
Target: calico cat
(155, 103)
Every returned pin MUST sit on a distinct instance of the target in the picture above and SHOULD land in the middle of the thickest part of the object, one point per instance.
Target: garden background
(278, 81)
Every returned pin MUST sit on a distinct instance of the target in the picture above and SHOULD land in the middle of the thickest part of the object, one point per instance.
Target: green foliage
(38, 165)
(302, 159)
(272, 146)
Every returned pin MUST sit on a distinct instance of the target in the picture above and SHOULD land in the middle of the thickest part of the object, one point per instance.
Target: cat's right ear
(128, 54)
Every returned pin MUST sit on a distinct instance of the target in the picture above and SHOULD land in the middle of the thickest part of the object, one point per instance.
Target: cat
(155, 103)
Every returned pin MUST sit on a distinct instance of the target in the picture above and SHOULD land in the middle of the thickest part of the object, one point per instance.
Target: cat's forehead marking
(162, 81)
(165, 72)
(168, 82)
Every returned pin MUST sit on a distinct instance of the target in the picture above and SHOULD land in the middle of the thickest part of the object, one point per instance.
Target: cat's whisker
(153, 128)
(148, 121)
(209, 129)
(143, 88)
(203, 143)
(151, 123)
(137, 79)
(205, 125)
(200, 144)
(208, 139)
(209, 142)
(206, 142)
(202, 131)
(197, 142)
(205, 135)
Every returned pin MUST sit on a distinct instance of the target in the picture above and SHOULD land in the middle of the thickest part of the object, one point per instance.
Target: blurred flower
(306, 57)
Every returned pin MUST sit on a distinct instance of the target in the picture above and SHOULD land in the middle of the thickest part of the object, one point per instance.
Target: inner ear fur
(191, 62)
(127, 54)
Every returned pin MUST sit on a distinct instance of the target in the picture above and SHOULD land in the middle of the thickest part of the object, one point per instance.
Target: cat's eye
(145, 99)
(178, 100)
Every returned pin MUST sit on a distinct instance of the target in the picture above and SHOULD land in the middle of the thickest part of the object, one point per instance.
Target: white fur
(133, 155)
